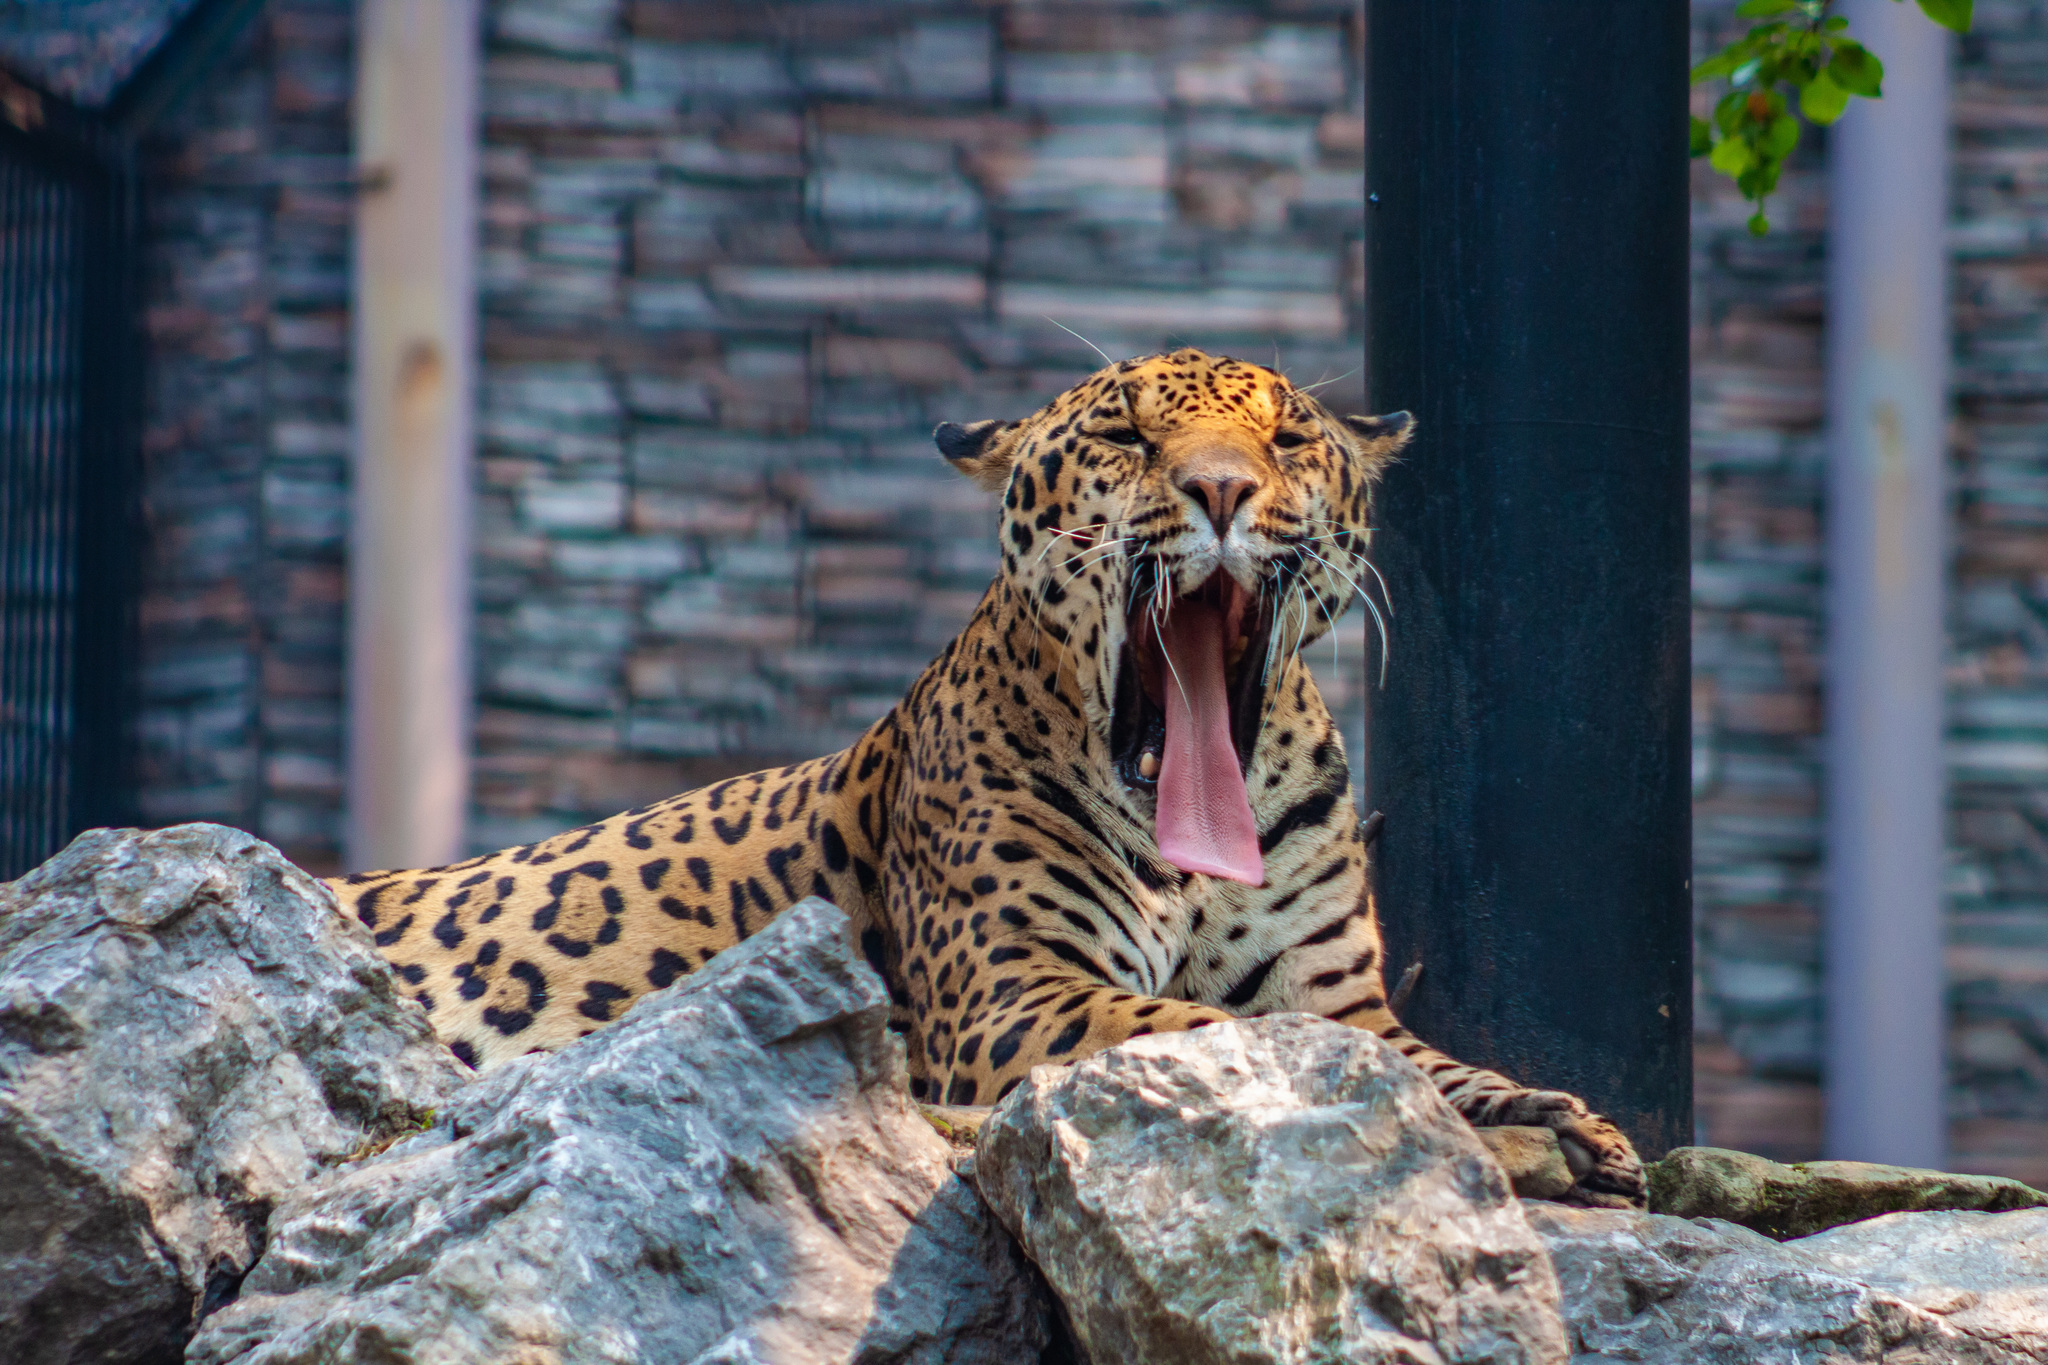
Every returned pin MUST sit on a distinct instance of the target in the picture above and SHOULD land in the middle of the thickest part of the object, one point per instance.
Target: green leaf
(1722, 62)
(1950, 14)
(1822, 100)
(1781, 137)
(1728, 111)
(1758, 224)
(1702, 138)
(1857, 70)
(1732, 156)
(1834, 23)
(1759, 180)
(1764, 9)
(1715, 68)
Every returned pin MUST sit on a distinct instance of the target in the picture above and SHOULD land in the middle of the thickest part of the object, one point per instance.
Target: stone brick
(1108, 172)
(696, 73)
(667, 396)
(565, 680)
(948, 59)
(634, 558)
(521, 70)
(581, 505)
(857, 290)
(571, 26)
(699, 609)
(672, 735)
(904, 359)
(1290, 66)
(1070, 80)
(844, 196)
(1221, 312)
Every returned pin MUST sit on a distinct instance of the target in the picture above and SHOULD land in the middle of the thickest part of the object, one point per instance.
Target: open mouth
(1189, 702)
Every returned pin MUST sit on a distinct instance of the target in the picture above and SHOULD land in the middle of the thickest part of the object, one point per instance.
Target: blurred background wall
(1758, 462)
(247, 200)
(738, 259)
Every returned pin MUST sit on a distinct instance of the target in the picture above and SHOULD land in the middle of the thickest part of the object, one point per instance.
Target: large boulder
(1282, 1189)
(734, 1173)
(1796, 1201)
(1929, 1288)
(1983, 1274)
(189, 1030)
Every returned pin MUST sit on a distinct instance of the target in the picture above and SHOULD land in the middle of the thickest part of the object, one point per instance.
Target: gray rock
(1796, 1201)
(189, 1029)
(1282, 1189)
(1658, 1290)
(1532, 1160)
(734, 1172)
(1985, 1274)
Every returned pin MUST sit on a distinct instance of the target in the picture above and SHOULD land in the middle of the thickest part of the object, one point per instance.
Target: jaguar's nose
(1220, 492)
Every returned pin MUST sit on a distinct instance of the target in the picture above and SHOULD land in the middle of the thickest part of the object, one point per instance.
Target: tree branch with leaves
(1799, 53)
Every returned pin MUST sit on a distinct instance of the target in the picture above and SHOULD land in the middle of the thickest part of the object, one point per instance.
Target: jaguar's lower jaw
(1138, 716)
(1190, 685)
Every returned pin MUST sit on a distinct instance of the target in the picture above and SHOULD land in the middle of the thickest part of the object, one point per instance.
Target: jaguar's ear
(1382, 436)
(980, 450)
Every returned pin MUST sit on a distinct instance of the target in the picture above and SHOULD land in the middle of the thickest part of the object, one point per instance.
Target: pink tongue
(1205, 821)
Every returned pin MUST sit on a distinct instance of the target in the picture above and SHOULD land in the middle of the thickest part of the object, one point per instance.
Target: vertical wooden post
(1888, 352)
(414, 344)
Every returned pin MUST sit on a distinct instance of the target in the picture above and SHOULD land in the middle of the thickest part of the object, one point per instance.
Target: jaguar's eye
(1288, 440)
(1122, 436)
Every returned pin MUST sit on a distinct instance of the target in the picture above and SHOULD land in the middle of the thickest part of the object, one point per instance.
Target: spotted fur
(998, 863)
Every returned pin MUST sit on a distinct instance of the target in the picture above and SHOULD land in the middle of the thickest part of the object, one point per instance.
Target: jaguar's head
(1182, 526)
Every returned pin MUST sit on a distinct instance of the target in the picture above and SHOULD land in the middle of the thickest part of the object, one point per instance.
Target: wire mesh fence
(65, 531)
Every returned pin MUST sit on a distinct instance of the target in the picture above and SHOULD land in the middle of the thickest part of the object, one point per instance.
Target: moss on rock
(1796, 1201)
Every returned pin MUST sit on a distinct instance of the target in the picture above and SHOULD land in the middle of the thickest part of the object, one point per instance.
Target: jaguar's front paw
(1606, 1171)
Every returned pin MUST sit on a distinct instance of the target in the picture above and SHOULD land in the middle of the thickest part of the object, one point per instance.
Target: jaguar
(1115, 804)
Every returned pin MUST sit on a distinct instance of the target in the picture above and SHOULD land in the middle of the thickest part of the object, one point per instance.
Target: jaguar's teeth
(1148, 765)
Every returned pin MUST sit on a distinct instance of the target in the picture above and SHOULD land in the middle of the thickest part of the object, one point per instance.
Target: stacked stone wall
(246, 204)
(1757, 641)
(740, 259)
(1998, 612)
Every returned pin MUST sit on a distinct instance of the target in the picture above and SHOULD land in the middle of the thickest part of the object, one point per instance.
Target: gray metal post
(1888, 351)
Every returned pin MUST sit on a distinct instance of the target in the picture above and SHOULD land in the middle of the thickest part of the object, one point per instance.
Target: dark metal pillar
(1527, 232)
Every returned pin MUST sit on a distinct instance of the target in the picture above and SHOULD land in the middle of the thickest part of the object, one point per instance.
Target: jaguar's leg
(1605, 1168)
(1338, 976)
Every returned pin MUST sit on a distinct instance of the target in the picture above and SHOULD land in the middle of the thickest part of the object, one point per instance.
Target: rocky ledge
(226, 1137)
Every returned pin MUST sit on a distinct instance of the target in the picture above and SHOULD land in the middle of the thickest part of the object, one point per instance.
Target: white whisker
(1320, 383)
(1055, 539)
(1335, 570)
(1301, 636)
(1167, 655)
(1385, 591)
(1083, 340)
(1296, 596)
(1079, 565)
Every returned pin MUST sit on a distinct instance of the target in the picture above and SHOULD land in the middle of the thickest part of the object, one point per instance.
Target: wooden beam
(414, 356)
